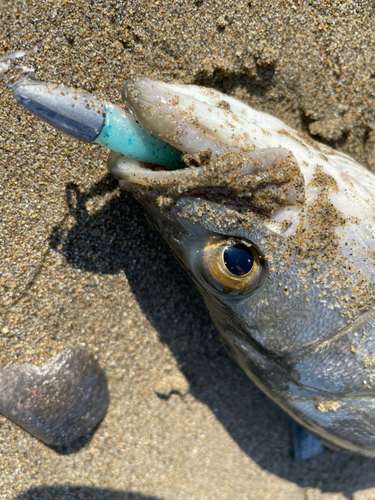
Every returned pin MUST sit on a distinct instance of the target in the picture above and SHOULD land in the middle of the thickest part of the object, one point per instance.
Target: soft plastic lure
(88, 119)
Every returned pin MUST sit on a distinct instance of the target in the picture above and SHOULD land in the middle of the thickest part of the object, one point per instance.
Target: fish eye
(230, 266)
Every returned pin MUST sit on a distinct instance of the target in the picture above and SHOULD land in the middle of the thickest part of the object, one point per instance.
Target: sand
(80, 266)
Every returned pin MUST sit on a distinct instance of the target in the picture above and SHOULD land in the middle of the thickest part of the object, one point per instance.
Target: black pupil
(238, 259)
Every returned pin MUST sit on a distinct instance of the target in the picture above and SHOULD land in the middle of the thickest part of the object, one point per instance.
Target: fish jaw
(309, 214)
(194, 119)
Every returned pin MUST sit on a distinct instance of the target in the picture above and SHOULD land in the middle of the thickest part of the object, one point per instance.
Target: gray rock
(58, 401)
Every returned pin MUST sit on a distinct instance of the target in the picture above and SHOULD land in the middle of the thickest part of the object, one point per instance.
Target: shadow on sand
(118, 238)
(78, 493)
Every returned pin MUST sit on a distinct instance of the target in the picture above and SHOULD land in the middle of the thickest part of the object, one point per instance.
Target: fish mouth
(222, 164)
(139, 173)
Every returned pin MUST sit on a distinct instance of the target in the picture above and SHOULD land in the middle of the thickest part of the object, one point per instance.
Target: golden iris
(231, 266)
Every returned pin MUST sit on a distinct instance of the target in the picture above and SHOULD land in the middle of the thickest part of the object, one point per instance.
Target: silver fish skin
(301, 321)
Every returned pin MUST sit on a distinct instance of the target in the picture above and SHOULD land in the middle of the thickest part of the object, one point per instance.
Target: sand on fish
(80, 266)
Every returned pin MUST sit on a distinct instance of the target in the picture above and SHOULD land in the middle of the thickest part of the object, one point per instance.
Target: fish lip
(137, 174)
(263, 179)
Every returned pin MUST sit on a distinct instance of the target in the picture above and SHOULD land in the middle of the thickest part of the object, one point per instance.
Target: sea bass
(278, 233)
(276, 230)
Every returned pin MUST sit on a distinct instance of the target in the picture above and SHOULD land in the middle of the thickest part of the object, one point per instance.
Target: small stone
(172, 384)
(330, 130)
(326, 406)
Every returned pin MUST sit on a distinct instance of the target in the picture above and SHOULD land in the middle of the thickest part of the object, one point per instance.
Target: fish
(277, 232)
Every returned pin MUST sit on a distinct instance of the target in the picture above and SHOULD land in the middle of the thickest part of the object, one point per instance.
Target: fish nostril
(238, 259)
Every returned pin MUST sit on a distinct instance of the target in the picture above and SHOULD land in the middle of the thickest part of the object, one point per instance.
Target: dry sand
(80, 266)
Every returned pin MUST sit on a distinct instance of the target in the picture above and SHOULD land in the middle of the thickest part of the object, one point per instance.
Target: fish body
(278, 233)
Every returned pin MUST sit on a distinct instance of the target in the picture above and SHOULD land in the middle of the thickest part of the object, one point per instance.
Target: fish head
(278, 233)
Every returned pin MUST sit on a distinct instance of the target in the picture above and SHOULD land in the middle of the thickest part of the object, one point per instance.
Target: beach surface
(81, 267)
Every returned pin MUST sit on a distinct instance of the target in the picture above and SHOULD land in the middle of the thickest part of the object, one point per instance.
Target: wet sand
(80, 266)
